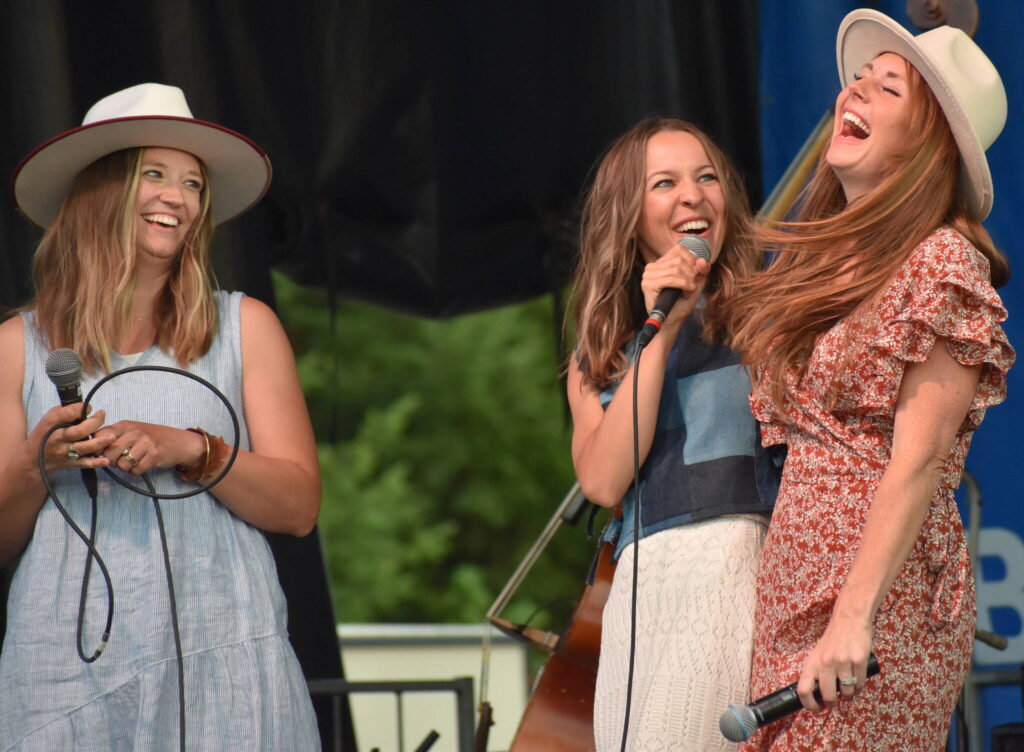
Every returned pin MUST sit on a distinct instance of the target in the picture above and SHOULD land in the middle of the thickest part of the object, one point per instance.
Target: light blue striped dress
(243, 686)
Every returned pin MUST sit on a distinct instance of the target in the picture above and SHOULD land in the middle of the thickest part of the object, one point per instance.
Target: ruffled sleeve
(942, 290)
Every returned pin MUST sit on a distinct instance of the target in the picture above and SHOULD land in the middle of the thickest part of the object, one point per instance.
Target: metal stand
(976, 678)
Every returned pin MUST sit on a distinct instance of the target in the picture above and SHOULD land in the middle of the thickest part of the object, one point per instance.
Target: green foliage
(445, 450)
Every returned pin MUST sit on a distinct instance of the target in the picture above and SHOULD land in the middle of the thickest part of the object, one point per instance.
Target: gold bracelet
(191, 474)
(219, 451)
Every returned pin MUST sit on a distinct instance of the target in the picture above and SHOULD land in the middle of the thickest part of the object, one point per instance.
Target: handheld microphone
(64, 369)
(739, 722)
(667, 298)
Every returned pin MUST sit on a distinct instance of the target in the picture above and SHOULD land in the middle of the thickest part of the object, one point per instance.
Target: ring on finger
(851, 682)
(127, 454)
(73, 454)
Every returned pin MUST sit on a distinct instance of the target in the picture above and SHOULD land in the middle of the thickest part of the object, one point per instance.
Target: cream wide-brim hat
(144, 115)
(963, 80)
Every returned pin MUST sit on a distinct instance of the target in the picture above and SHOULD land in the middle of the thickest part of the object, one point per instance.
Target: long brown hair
(835, 257)
(608, 302)
(84, 270)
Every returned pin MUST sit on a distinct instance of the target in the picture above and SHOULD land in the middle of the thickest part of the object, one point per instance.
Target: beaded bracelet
(216, 451)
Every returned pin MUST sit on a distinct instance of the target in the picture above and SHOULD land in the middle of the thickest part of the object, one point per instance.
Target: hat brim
(238, 170)
(864, 35)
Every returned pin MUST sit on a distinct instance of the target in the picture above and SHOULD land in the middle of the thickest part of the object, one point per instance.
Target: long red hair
(835, 257)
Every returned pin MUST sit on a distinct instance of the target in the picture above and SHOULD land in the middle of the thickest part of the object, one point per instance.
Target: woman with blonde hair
(123, 277)
(702, 510)
(876, 348)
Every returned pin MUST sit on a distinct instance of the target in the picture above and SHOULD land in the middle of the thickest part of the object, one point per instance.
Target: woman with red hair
(876, 344)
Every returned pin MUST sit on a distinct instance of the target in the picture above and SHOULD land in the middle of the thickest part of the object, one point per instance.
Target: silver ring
(73, 454)
(851, 682)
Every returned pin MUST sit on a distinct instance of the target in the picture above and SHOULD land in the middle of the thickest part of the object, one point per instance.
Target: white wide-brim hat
(144, 115)
(963, 80)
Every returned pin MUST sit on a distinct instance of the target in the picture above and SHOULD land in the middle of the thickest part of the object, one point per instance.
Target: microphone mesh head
(696, 245)
(64, 367)
(737, 723)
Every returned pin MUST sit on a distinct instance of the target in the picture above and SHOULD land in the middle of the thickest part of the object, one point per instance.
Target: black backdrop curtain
(428, 156)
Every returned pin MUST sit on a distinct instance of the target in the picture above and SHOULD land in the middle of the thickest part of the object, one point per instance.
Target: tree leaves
(444, 447)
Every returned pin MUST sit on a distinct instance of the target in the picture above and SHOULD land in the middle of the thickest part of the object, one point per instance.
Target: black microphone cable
(699, 247)
(89, 544)
(152, 493)
(636, 545)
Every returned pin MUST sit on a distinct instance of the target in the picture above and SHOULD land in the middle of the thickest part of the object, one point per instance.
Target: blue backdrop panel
(799, 83)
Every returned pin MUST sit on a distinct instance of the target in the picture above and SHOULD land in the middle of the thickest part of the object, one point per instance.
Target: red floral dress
(924, 628)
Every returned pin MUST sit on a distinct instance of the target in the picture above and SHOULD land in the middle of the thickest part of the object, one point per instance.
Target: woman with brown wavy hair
(876, 347)
(123, 277)
(703, 513)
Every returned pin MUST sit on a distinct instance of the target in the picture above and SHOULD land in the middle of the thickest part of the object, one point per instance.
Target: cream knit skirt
(695, 614)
